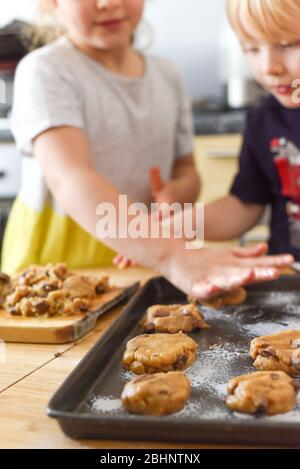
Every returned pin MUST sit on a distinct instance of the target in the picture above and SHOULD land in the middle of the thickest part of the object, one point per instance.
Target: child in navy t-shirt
(269, 172)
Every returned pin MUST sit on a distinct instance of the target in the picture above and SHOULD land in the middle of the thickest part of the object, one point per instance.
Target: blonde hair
(272, 20)
(46, 28)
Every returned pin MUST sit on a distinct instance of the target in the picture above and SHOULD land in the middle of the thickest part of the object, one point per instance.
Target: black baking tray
(87, 404)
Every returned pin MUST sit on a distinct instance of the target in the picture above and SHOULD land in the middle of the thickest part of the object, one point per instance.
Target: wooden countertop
(31, 375)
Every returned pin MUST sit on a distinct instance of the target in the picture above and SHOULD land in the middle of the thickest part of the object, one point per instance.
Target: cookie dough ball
(159, 352)
(235, 297)
(279, 351)
(79, 286)
(158, 394)
(267, 393)
(174, 318)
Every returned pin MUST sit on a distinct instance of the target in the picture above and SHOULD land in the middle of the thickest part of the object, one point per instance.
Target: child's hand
(157, 185)
(162, 191)
(156, 181)
(179, 189)
(122, 262)
(168, 193)
(183, 187)
(207, 272)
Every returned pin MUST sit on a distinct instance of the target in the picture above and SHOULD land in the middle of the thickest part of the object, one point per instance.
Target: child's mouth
(111, 24)
(282, 90)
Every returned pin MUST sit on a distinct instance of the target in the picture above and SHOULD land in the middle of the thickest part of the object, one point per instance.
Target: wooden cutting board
(61, 330)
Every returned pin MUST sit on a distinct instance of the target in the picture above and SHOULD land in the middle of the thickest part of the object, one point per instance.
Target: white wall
(10, 9)
(186, 31)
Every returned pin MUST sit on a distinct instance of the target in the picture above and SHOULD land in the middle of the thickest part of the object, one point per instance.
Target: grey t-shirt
(131, 123)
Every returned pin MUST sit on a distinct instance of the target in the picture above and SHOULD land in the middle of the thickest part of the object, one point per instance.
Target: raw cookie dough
(279, 351)
(50, 290)
(159, 352)
(158, 394)
(172, 319)
(269, 392)
(236, 297)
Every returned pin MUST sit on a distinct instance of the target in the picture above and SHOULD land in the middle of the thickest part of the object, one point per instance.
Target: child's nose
(108, 4)
(273, 64)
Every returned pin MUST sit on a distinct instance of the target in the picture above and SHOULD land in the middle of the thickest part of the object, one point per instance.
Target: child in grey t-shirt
(91, 116)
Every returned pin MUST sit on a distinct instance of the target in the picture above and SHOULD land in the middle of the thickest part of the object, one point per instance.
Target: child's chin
(287, 101)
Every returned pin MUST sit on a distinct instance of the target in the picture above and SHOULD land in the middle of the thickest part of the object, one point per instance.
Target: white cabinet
(10, 169)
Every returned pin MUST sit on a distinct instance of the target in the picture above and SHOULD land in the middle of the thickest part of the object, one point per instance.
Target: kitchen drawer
(10, 169)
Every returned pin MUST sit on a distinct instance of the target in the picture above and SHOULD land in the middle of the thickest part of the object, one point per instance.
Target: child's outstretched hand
(157, 186)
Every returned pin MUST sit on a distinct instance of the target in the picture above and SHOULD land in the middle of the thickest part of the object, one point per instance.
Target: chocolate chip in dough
(181, 361)
(42, 307)
(49, 287)
(262, 407)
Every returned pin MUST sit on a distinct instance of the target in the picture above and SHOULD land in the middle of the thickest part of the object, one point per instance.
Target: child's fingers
(122, 262)
(129, 263)
(218, 284)
(204, 290)
(233, 278)
(126, 263)
(117, 259)
(266, 274)
(285, 260)
(251, 251)
(155, 180)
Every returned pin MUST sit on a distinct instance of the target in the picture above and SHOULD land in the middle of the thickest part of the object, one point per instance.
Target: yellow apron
(33, 237)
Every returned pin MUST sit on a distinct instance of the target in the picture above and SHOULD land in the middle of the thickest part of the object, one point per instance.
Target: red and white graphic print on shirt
(287, 162)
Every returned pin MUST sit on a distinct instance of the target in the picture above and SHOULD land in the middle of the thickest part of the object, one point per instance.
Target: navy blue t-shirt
(269, 171)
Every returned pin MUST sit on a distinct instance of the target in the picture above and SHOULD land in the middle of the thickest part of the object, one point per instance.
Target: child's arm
(66, 161)
(184, 187)
(229, 218)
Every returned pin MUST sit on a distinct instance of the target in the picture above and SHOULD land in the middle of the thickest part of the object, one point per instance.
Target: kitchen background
(196, 36)
(185, 30)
